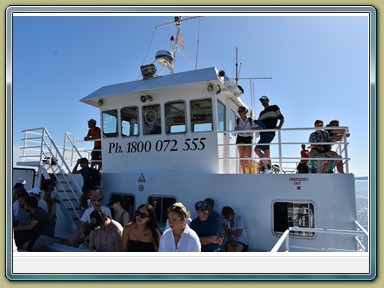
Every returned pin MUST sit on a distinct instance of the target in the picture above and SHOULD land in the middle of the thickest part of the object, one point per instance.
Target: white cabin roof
(176, 79)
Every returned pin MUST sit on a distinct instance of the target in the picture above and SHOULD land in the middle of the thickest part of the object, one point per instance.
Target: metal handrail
(285, 237)
(342, 147)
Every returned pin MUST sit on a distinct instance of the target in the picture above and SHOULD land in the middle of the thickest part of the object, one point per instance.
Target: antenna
(168, 58)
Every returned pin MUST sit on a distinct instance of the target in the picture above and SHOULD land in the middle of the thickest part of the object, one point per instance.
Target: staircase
(39, 150)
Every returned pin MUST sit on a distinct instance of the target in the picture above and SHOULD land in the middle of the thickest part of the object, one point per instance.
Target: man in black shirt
(39, 224)
(269, 116)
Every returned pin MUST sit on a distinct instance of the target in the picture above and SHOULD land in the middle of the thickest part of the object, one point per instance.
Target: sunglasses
(141, 215)
(240, 111)
(99, 200)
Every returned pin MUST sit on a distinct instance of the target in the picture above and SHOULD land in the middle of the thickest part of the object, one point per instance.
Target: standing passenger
(94, 132)
(244, 123)
(179, 237)
(269, 116)
(142, 235)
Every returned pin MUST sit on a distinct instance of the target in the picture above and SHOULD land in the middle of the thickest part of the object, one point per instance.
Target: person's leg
(248, 154)
(239, 247)
(240, 149)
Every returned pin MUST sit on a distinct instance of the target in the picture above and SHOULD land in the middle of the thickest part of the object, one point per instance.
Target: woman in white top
(179, 237)
(245, 151)
(234, 229)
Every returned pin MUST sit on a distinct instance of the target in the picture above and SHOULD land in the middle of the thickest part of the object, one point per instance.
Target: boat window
(175, 117)
(110, 123)
(128, 204)
(293, 214)
(221, 116)
(151, 120)
(201, 115)
(161, 205)
(232, 120)
(129, 121)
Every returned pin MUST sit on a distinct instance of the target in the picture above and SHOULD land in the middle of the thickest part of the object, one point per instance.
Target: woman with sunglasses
(179, 237)
(244, 123)
(142, 235)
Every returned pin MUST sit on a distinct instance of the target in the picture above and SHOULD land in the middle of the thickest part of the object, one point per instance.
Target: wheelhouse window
(175, 117)
(129, 121)
(232, 120)
(293, 214)
(221, 116)
(201, 115)
(161, 205)
(110, 123)
(151, 119)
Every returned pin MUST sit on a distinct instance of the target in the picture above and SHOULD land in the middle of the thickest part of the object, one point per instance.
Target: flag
(181, 40)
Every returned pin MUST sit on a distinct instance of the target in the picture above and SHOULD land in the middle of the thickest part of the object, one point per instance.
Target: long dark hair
(152, 224)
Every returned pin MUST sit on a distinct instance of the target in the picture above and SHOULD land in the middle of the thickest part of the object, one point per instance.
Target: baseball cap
(264, 97)
(35, 191)
(21, 181)
(200, 205)
(97, 219)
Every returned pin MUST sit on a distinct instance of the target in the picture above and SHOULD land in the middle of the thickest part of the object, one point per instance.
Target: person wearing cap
(19, 184)
(179, 237)
(36, 192)
(119, 213)
(105, 233)
(269, 117)
(38, 224)
(207, 228)
(94, 132)
(83, 235)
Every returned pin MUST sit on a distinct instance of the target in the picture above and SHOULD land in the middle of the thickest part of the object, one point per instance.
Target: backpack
(249, 119)
(95, 177)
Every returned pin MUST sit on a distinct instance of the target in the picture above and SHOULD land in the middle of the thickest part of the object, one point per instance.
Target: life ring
(150, 116)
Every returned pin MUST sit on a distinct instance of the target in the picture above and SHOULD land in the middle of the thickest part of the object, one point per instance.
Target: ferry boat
(170, 138)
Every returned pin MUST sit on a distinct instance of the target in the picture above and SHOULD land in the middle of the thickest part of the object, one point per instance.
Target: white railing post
(280, 150)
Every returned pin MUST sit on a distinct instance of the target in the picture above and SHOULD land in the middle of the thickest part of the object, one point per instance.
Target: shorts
(96, 155)
(245, 246)
(265, 138)
(243, 140)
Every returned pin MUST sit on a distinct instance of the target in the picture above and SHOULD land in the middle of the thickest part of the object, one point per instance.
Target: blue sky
(319, 66)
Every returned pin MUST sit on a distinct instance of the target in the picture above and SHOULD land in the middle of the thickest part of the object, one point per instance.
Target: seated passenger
(234, 229)
(39, 224)
(105, 233)
(119, 213)
(321, 136)
(179, 237)
(207, 228)
(142, 235)
(83, 236)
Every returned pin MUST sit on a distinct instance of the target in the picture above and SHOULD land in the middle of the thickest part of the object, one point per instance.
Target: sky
(319, 66)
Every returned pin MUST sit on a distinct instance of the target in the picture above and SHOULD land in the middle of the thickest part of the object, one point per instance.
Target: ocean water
(361, 187)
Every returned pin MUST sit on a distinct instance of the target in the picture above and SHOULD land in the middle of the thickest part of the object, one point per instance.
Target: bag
(95, 177)
(258, 123)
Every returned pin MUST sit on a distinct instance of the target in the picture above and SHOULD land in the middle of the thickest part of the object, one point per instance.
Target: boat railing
(77, 150)
(284, 149)
(284, 244)
(40, 150)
